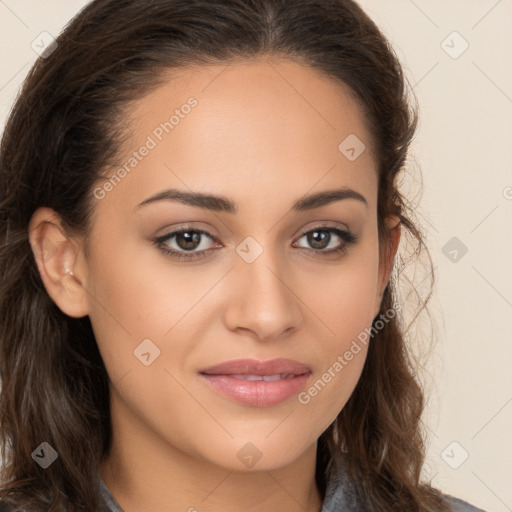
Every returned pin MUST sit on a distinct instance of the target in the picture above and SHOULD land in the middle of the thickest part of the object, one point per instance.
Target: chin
(243, 455)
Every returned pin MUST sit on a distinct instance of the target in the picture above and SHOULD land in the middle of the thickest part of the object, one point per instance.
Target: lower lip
(258, 393)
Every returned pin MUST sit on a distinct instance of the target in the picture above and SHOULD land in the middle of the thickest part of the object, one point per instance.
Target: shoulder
(458, 505)
(343, 494)
(346, 497)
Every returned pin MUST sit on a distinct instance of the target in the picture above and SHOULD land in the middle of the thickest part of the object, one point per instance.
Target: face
(240, 230)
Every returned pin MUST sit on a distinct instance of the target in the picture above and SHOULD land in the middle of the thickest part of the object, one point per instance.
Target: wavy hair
(65, 130)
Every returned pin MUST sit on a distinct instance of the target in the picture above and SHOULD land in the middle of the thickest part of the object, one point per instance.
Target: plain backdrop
(457, 55)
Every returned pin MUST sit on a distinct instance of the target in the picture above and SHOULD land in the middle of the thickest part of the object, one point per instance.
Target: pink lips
(258, 383)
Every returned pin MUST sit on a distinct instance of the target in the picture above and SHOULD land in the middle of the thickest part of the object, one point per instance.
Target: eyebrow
(223, 204)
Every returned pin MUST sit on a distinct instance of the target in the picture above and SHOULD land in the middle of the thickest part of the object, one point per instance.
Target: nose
(263, 302)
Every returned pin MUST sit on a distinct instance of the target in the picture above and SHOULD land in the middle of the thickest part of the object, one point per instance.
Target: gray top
(340, 496)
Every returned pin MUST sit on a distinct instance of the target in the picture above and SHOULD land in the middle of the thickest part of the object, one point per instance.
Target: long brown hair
(64, 132)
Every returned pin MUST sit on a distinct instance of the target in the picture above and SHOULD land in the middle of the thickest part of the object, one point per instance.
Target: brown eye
(188, 240)
(319, 239)
(326, 240)
(186, 243)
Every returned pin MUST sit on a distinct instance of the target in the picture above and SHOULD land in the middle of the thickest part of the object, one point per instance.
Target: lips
(257, 383)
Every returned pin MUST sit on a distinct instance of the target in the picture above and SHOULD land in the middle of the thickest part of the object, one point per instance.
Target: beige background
(464, 149)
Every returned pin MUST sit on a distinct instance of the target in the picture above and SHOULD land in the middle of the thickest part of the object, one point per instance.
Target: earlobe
(56, 255)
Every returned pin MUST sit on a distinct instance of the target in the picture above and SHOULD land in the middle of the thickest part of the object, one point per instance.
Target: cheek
(330, 389)
(137, 310)
(343, 356)
(138, 293)
(343, 297)
(142, 304)
(344, 301)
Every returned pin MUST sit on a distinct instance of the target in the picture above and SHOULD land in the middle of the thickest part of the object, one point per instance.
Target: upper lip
(255, 367)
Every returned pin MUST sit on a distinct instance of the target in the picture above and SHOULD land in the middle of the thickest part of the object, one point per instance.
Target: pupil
(187, 240)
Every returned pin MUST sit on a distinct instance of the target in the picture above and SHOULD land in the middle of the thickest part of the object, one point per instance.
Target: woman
(200, 217)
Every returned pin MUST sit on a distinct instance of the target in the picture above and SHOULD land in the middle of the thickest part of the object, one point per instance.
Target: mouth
(257, 383)
(266, 378)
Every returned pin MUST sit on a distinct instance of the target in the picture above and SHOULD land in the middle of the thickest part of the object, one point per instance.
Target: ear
(387, 257)
(56, 255)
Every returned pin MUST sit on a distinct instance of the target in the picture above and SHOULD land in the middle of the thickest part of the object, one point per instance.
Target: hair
(63, 134)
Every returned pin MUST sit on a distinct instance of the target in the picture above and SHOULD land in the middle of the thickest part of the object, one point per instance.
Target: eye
(193, 243)
(328, 240)
(185, 243)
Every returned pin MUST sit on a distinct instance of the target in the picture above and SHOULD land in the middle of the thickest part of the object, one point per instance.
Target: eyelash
(348, 237)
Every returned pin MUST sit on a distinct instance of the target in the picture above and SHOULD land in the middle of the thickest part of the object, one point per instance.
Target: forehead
(271, 124)
(242, 93)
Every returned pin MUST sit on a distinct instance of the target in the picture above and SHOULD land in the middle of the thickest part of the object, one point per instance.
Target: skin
(264, 134)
